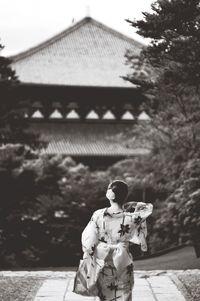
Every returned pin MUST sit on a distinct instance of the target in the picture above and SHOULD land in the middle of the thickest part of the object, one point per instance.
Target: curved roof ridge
(69, 30)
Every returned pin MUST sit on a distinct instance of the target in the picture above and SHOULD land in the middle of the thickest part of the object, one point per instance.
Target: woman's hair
(120, 190)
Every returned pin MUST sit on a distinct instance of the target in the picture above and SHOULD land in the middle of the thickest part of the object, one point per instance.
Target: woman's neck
(115, 207)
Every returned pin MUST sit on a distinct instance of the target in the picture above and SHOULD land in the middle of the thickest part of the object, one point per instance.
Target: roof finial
(87, 11)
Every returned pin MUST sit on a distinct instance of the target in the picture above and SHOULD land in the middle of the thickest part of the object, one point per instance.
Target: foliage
(171, 78)
(190, 280)
(13, 125)
(48, 200)
(168, 72)
(18, 193)
(173, 27)
(188, 201)
(19, 288)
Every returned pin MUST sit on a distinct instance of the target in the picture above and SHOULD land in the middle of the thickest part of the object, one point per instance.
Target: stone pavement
(154, 288)
(149, 286)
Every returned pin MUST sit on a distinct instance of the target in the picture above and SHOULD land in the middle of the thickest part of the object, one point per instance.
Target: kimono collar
(113, 214)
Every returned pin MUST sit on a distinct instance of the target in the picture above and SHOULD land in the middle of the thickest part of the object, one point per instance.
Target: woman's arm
(142, 211)
(139, 210)
(89, 236)
(130, 206)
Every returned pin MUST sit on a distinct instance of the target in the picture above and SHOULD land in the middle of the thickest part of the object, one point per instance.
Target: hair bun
(120, 188)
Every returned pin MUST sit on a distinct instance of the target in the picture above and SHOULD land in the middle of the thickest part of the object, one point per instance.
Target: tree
(173, 27)
(18, 199)
(12, 122)
(46, 203)
(168, 73)
(189, 205)
(169, 76)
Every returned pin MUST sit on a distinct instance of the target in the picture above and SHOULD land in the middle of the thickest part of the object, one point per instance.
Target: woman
(107, 267)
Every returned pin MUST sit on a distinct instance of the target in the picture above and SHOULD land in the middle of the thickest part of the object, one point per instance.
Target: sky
(26, 23)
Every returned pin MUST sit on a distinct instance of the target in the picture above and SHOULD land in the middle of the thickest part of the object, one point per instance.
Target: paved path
(155, 288)
(149, 286)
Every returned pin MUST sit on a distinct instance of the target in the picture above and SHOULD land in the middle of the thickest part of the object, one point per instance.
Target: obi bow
(120, 254)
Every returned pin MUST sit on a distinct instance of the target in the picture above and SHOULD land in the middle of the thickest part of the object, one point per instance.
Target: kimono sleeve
(89, 238)
(142, 211)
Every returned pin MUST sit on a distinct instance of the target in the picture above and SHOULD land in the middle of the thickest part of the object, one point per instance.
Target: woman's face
(110, 194)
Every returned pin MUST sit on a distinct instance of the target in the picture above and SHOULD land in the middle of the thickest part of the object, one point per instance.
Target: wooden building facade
(79, 102)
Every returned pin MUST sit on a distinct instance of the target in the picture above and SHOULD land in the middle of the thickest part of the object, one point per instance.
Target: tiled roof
(86, 139)
(86, 54)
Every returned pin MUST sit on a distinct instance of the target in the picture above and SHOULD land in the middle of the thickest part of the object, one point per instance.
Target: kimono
(107, 265)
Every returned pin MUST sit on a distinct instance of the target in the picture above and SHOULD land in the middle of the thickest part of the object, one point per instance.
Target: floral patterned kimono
(108, 269)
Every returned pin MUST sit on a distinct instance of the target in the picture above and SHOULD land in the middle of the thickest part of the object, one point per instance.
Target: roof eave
(78, 86)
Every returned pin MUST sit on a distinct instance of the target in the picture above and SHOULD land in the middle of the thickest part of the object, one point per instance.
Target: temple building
(78, 100)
